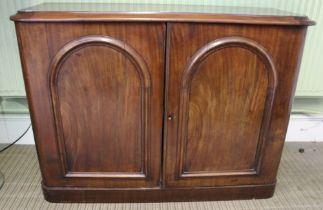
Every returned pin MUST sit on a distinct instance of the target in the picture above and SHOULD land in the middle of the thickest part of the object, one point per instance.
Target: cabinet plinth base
(100, 195)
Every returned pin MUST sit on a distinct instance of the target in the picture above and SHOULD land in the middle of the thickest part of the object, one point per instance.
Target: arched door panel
(223, 107)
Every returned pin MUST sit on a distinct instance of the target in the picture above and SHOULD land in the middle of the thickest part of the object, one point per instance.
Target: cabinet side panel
(35, 61)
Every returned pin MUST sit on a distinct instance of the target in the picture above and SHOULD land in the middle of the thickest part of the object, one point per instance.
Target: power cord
(2, 177)
(22, 135)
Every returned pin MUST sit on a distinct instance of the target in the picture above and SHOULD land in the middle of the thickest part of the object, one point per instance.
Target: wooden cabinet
(132, 104)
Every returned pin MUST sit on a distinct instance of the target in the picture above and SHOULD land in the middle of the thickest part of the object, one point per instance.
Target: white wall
(305, 128)
(310, 84)
(301, 128)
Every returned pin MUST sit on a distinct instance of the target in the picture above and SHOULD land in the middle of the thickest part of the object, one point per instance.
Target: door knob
(171, 117)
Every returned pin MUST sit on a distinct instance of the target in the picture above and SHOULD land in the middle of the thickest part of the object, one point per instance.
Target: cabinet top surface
(74, 12)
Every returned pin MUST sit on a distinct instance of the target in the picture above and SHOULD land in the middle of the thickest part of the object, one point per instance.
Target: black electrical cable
(22, 135)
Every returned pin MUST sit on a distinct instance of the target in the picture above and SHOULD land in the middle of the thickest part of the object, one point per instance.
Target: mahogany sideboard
(153, 103)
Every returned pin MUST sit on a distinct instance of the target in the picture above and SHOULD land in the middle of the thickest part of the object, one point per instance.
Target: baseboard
(100, 195)
(305, 128)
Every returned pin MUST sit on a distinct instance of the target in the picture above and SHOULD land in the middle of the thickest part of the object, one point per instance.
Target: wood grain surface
(159, 106)
(103, 121)
(230, 92)
(102, 12)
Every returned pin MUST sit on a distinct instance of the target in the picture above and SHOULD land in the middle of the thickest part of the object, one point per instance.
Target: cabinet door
(96, 94)
(223, 95)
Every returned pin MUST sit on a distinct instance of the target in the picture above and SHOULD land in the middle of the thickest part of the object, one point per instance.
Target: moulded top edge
(75, 12)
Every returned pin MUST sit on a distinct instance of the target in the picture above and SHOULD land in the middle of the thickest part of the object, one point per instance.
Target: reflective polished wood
(96, 12)
(150, 103)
